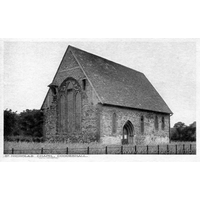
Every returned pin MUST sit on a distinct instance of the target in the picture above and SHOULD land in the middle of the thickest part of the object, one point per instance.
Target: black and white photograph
(99, 100)
(100, 97)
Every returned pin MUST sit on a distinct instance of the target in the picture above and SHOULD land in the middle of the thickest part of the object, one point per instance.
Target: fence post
(122, 149)
(147, 149)
(167, 149)
(67, 150)
(183, 148)
(135, 149)
(106, 150)
(88, 150)
(158, 150)
(41, 150)
(176, 149)
(12, 150)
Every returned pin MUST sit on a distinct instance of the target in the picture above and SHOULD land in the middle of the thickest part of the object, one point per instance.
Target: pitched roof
(118, 85)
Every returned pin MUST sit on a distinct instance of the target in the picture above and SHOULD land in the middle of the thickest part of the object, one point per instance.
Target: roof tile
(119, 85)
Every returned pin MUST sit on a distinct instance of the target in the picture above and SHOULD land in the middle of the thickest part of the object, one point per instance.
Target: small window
(54, 93)
(84, 84)
(156, 122)
(53, 89)
(114, 121)
(70, 86)
(163, 123)
(142, 124)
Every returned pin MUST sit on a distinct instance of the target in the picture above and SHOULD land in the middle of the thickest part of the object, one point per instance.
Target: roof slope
(118, 85)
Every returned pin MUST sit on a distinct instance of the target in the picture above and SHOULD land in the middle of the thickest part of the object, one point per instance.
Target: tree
(192, 129)
(181, 132)
(30, 122)
(174, 135)
(10, 123)
(25, 125)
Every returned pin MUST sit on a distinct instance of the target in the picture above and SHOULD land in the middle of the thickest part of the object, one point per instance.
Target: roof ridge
(86, 76)
(72, 47)
(116, 84)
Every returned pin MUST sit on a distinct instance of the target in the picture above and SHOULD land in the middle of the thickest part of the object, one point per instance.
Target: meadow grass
(181, 143)
(96, 148)
(47, 145)
(62, 145)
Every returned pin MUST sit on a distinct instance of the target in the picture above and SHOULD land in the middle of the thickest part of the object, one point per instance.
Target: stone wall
(150, 134)
(89, 113)
(50, 120)
(96, 119)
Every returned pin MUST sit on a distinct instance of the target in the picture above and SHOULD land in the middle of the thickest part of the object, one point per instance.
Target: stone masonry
(150, 134)
(97, 122)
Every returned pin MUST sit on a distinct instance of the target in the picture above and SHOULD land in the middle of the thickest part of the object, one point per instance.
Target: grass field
(96, 148)
(46, 145)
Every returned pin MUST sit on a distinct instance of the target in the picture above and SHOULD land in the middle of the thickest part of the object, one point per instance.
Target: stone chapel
(94, 99)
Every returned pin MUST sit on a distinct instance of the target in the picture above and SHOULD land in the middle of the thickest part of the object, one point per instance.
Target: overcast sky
(169, 65)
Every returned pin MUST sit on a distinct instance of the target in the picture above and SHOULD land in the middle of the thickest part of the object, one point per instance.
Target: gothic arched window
(78, 110)
(114, 122)
(156, 122)
(142, 124)
(62, 113)
(163, 123)
(69, 106)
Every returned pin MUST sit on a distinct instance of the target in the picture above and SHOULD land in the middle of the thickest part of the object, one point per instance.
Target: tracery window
(62, 112)
(78, 110)
(69, 106)
(70, 109)
(84, 84)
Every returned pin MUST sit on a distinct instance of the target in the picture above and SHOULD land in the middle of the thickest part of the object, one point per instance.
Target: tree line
(181, 132)
(23, 126)
(28, 126)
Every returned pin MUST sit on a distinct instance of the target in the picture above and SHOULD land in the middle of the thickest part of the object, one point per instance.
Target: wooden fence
(123, 149)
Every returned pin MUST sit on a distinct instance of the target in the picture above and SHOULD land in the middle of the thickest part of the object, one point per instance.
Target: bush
(10, 123)
(181, 132)
(25, 126)
(21, 138)
(76, 137)
(30, 122)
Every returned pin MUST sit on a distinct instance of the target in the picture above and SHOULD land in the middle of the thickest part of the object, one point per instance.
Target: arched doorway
(128, 133)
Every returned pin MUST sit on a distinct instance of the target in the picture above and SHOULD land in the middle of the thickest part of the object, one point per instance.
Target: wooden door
(125, 136)
(130, 138)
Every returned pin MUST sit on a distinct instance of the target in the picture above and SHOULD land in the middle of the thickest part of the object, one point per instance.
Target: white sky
(169, 65)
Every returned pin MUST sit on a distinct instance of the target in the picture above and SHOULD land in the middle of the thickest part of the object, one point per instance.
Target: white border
(123, 158)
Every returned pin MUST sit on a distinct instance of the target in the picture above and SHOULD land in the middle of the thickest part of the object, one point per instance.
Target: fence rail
(123, 149)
